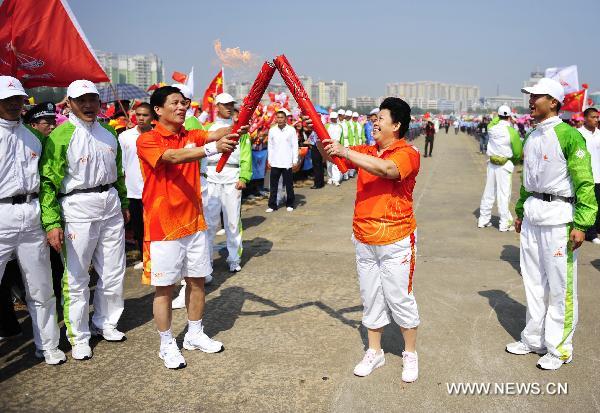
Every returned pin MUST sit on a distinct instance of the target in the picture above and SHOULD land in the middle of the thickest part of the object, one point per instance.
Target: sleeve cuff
(53, 226)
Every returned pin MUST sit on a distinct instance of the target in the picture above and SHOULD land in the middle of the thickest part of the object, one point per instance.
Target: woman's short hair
(399, 111)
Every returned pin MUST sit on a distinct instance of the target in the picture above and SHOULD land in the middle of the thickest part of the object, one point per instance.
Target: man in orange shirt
(385, 233)
(175, 244)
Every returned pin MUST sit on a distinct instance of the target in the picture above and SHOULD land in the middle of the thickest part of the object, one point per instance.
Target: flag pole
(114, 90)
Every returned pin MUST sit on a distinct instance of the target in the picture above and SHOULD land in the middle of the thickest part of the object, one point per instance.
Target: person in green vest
(358, 130)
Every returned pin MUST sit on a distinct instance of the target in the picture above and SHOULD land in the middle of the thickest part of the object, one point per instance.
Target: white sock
(194, 326)
(165, 337)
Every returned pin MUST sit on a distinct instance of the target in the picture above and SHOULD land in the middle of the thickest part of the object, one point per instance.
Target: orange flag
(214, 88)
(574, 102)
(179, 77)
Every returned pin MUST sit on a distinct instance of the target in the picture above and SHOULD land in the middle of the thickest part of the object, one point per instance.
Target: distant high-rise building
(139, 70)
(433, 95)
(494, 102)
(238, 89)
(330, 93)
(533, 79)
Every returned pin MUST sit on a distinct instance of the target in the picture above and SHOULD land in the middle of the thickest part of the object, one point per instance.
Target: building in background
(533, 79)
(139, 70)
(494, 102)
(435, 95)
(330, 93)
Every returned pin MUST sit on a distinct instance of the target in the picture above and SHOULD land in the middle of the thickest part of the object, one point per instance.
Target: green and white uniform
(555, 162)
(83, 191)
(504, 148)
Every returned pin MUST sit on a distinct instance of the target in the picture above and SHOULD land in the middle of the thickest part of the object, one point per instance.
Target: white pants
(385, 275)
(33, 255)
(333, 172)
(226, 198)
(549, 269)
(497, 187)
(101, 243)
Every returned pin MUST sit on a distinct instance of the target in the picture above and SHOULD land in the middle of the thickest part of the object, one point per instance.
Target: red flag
(179, 77)
(574, 102)
(42, 44)
(214, 88)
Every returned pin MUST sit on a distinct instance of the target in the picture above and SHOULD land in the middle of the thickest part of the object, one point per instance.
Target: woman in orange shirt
(385, 232)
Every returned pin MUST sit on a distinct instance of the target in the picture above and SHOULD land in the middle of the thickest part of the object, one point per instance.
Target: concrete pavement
(290, 321)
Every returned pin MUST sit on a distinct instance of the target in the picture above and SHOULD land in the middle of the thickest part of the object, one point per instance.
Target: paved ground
(290, 320)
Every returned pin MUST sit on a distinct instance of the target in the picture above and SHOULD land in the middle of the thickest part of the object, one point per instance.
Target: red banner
(179, 77)
(42, 44)
(250, 103)
(574, 102)
(214, 88)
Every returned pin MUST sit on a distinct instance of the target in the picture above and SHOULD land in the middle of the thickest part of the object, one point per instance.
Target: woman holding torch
(385, 232)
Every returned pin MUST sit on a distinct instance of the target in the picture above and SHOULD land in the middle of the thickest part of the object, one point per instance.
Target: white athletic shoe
(410, 366)
(53, 356)
(487, 224)
(329, 181)
(507, 229)
(200, 341)
(551, 362)
(289, 209)
(179, 301)
(596, 241)
(139, 266)
(171, 355)
(371, 360)
(208, 279)
(336, 184)
(81, 351)
(109, 334)
(269, 210)
(235, 267)
(221, 231)
(520, 348)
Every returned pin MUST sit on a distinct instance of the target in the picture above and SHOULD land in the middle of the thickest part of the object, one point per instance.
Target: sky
(489, 43)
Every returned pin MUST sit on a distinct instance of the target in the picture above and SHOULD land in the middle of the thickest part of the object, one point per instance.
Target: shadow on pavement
(511, 255)
(596, 264)
(510, 313)
(254, 221)
(391, 339)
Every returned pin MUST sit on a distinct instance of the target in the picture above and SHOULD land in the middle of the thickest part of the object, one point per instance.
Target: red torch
(250, 103)
(295, 86)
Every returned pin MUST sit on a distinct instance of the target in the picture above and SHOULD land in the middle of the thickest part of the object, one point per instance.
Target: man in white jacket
(282, 156)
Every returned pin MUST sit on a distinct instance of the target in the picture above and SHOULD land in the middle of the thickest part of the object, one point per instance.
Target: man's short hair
(589, 111)
(282, 112)
(144, 105)
(400, 112)
(159, 97)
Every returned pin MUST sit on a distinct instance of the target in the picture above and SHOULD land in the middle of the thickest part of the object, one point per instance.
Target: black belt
(99, 188)
(551, 197)
(19, 199)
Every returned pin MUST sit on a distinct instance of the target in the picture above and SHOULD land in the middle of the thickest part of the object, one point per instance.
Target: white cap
(333, 115)
(504, 110)
(342, 112)
(546, 86)
(224, 98)
(186, 91)
(80, 88)
(355, 114)
(349, 113)
(10, 86)
(374, 111)
(278, 110)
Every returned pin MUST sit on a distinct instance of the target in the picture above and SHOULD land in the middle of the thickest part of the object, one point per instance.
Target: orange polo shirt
(383, 211)
(171, 198)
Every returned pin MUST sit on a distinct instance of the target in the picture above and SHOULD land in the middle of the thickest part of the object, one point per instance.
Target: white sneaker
(487, 224)
(596, 241)
(520, 348)
(81, 351)
(410, 366)
(329, 181)
(371, 360)
(269, 210)
(179, 301)
(221, 231)
(200, 341)
(507, 229)
(289, 209)
(551, 362)
(109, 334)
(234, 267)
(336, 184)
(53, 356)
(208, 279)
(139, 266)
(172, 356)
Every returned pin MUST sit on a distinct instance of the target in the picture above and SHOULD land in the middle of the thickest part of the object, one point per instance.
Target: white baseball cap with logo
(80, 88)
(333, 115)
(186, 91)
(342, 112)
(10, 86)
(355, 114)
(546, 86)
(224, 98)
(374, 111)
(504, 111)
(348, 113)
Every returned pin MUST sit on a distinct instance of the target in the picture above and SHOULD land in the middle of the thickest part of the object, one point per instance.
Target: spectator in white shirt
(591, 133)
(282, 156)
(133, 174)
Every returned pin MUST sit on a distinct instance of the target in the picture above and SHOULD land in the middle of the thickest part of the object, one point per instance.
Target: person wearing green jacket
(504, 149)
(358, 130)
(84, 208)
(556, 206)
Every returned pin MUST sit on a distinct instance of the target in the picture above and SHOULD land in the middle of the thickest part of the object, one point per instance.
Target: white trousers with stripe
(33, 255)
(549, 270)
(497, 188)
(385, 275)
(228, 199)
(101, 243)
